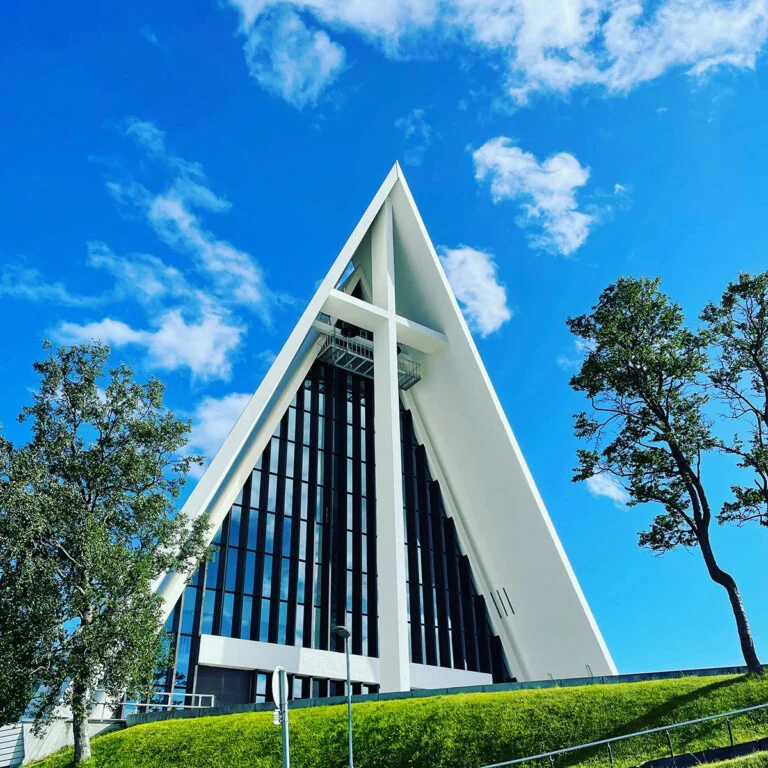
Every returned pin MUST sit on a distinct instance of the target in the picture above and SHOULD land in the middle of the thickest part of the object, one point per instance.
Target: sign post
(280, 695)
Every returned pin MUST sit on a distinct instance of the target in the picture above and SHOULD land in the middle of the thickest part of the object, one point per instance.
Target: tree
(737, 328)
(643, 375)
(87, 523)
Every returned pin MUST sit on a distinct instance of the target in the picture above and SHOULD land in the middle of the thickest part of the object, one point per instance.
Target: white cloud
(189, 312)
(419, 132)
(141, 276)
(204, 346)
(571, 362)
(151, 38)
(558, 45)
(387, 21)
(605, 485)
(233, 274)
(28, 284)
(546, 191)
(472, 275)
(290, 60)
(213, 420)
(147, 135)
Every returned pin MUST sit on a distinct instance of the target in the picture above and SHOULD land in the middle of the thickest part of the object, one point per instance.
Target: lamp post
(345, 633)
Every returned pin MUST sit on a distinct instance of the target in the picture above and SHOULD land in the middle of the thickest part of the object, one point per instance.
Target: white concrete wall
(232, 653)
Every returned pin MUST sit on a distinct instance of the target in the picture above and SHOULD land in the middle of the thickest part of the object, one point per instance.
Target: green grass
(458, 731)
(758, 760)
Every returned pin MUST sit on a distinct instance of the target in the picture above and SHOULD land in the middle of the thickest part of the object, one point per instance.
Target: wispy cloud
(192, 312)
(290, 59)
(608, 486)
(213, 420)
(545, 191)
(174, 214)
(555, 47)
(417, 133)
(151, 38)
(472, 275)
(139, 277)
(152, 139)
(204, 346)
(28, 284)
(571, 362)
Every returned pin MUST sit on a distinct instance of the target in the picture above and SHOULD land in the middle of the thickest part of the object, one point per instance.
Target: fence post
(730, 730)
(610, 754)
(669, 742)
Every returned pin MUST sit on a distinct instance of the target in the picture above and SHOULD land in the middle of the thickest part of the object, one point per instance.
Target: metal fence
(160, 701)
(608, 744)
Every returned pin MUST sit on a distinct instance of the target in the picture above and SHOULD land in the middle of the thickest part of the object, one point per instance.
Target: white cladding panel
(503, 518)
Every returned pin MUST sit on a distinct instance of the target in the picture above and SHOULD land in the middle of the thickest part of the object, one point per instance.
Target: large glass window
(296, 553)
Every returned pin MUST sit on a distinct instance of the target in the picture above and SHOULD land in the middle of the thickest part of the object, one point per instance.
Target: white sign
(276, 685)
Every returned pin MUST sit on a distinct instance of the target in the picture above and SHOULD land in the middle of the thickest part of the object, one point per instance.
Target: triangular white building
(376, 444)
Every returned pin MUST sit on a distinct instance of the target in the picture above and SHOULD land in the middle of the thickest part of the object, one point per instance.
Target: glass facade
(296, 554)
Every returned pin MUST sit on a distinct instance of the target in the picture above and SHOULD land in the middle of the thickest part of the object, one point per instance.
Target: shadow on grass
(666, 713)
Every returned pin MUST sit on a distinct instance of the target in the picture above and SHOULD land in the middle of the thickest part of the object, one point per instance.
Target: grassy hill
(758, 760)
(458, 731)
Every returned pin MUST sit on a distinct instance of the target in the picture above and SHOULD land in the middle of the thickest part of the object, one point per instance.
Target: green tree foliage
(737, 329)
(87, 524)
(644, 374)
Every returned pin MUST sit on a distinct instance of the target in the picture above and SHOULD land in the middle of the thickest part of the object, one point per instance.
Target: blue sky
(177, 177)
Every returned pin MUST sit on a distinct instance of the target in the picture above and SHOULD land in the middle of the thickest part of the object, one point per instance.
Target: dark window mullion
(483, 634)
(427, 577)
(309, 579)
(413, 539)
(277, 550)
(170, 674)
(498, 662)
(194, 652)
(468, 608)
(357, 514)
(457, 616)
(370, 505)
(221, 576)
(325, 559)
(441, 578)
(237, 612)
(261, 539)
(339, 516)
(295, 512)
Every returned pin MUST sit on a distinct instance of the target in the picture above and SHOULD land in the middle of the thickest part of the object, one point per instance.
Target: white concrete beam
(233, 653)
(418, 336)
(342, 306)
(353, 310)
(390, 533)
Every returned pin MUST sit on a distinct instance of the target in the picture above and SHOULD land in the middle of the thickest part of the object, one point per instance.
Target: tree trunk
(80, 724)
(725, 580)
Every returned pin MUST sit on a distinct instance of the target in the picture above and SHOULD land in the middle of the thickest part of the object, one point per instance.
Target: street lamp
(346, 634)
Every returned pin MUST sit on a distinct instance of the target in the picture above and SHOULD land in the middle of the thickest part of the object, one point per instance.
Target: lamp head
(341, 631)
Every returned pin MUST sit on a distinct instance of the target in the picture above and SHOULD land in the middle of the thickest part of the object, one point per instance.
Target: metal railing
(156, 702)
(355, 355)
(613, 739)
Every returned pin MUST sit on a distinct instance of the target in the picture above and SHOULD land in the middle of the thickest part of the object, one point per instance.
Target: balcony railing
(355, 354)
